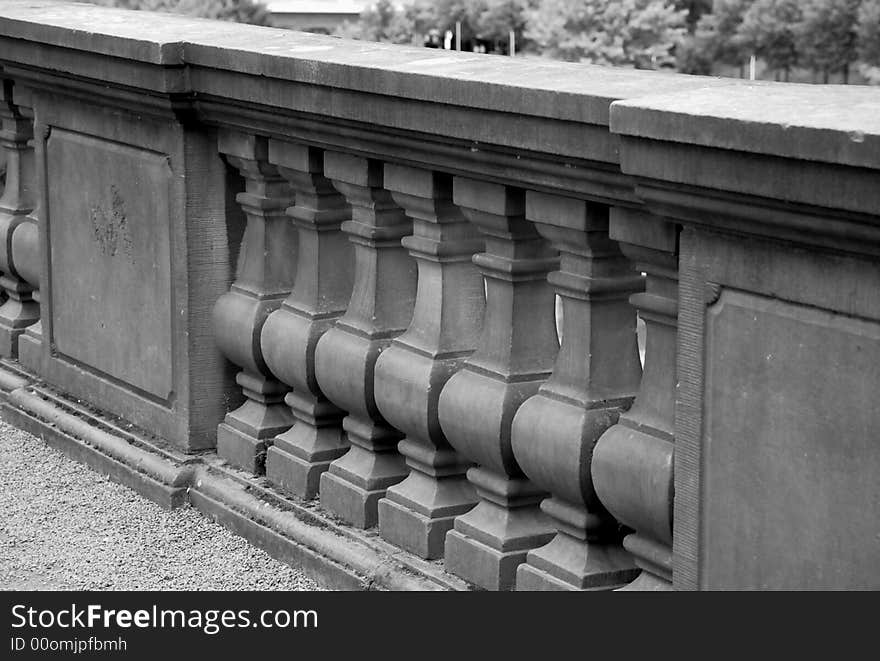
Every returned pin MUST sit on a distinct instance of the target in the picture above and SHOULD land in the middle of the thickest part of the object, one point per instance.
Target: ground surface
(65, 527)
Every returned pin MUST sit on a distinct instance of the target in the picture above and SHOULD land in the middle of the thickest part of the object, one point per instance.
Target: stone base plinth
(349, 502)
(240, 450)
(30, 348)
(531, 579)
(412, 531)
(9, 341)
(480, 564)
(568, 563)
(293, 475)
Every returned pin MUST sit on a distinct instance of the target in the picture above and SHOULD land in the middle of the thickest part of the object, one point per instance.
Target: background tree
(498, 17)
(826, 35)
(695, 10)
(381, 22)
(242, 11)
(868, 40)
(620, 32)
(768, 28)
(716, 39)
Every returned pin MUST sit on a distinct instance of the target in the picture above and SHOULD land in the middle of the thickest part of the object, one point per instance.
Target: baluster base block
(30, 348)
(568, 563)
(354, 484)
(480, 564)
(490, 541)
(9, 340)
(647, 583)
(419, 534)
(356, 506)
(417, 513)
(655, 561)
(294, 475)
(242, 450)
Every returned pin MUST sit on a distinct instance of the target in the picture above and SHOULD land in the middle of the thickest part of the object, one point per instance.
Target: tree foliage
(768, 30)
(695, 35)
(868, 31)
(643, 33)
(695, 9)
(242, 11)
(826, 34)
(497, 18)
(381, 22)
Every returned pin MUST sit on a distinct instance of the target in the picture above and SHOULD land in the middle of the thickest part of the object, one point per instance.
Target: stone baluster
(26, 250)
(380, 308)
(595, 377)
(632, 462)
(513, 358)
(321, 290)
(264, 275)
(19, 310)
(417, 513)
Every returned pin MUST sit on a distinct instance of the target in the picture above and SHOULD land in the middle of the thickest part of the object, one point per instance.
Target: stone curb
(336, 556)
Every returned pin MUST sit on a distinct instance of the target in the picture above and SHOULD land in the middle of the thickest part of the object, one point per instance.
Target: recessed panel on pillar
(792, 495)
(110, 253)
(133, 254)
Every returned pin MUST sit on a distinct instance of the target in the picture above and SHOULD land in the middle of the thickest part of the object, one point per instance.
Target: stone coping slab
(528, 86)
(828, 123)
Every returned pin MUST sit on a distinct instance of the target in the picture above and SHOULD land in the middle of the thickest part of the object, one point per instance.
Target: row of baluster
(400, 360)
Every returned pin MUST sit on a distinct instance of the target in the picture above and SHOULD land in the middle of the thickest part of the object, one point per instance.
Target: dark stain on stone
(111, 229)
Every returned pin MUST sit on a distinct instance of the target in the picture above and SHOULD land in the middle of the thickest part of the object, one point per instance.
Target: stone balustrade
(335, 263)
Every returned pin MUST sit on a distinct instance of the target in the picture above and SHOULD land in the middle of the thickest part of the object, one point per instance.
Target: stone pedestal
(595, 377)
(513, 358)
(345, 358)
(321, 290)
(632, 462)
(129, 249)
(19, 309)
(263, 279)
(417, 513)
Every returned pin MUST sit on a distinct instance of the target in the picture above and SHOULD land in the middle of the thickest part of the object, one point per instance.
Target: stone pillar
(514, 356)
(380, 308)
(632, 462)
(417, 513)
(596, 374)
(320, 293)
(264, 276)
(19, 310)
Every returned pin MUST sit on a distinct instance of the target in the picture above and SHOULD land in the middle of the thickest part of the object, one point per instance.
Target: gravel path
(65, 527)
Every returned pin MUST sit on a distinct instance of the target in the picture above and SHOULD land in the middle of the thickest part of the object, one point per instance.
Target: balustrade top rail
(533, 105)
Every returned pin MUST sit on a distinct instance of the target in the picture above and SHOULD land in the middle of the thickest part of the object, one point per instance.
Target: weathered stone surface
(774, 185)
(19, 309)
(380, 307)
(632, 461)
(322, 288)
(513, 357)
(777, 305)
(161, 242)
(263, 279)
(798, 122)
(593, 380)
(411, 373)
(27, 252)
(108, 209)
